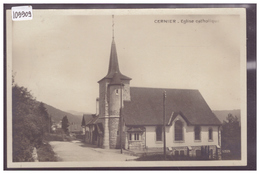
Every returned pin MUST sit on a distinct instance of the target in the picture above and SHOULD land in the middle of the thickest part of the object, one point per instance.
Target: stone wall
(114, 138)
(103, 105)
(109, 106)
(126, 90)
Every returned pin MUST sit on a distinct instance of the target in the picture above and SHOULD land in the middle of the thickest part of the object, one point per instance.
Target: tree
(25, 132)
(28, 119)
(65, 124)
(231, 135)
(44, 117)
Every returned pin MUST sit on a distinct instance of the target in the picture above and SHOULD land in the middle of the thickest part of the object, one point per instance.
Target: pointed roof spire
(113, 62)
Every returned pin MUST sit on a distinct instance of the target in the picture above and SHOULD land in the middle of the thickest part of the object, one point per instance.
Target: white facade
(188, 136)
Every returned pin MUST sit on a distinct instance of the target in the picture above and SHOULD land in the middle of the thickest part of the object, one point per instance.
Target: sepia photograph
(126, 87)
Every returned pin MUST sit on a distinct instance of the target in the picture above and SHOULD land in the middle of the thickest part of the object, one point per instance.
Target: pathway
(78, 151)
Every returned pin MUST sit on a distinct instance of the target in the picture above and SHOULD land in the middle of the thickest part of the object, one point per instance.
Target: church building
(132, 117)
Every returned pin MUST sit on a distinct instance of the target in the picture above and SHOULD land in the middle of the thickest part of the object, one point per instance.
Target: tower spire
(113, 62)
(113, 27)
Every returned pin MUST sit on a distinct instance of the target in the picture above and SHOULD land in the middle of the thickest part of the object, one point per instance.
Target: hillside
(57, 115)
(76, 113)
(222, 114)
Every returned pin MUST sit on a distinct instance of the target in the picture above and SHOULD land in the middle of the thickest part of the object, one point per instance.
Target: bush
(160, 157)
(45, 153)
(69, 138)
(54, 137)
(231, 138)
(80, 137)
(29, 121)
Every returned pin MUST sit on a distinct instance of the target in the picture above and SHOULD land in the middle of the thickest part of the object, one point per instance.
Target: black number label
(21, 14)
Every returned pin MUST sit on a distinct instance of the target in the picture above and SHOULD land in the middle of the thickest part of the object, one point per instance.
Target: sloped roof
(146, 107)
(94, 120)
(86, 119)
(113, 65)
(136, 129)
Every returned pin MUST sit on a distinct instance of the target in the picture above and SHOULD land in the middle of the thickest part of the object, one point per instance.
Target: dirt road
(78, 151)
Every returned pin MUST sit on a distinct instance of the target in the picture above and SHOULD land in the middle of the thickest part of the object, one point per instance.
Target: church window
(136, 136)
(197, 132)
(159, 133)
(178, 129)
(210, 134)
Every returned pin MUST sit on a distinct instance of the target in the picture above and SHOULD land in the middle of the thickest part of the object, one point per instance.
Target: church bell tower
(114, 88)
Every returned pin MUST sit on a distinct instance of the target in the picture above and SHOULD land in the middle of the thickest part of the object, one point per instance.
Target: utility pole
(121, 119)
(164, 136)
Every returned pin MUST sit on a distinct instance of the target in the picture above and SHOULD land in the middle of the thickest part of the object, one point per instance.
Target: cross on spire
(113, 27)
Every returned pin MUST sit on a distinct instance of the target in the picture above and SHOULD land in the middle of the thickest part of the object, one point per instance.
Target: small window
(159, 133)
(210, 134)
(136, 136)
(197, 132)
(130, 136)
(117, 91)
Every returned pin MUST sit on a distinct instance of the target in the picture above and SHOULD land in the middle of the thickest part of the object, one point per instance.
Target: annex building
(132, 117)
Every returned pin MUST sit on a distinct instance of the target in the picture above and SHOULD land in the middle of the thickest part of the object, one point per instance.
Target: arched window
(159, 133)
(197, 132)
(210, 134)
(178, 129)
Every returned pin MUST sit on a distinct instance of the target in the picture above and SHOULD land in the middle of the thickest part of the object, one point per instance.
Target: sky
(61, 55)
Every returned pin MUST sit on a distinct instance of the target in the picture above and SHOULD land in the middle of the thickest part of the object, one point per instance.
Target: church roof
(87, 118)
(146, 107)
(113, 65)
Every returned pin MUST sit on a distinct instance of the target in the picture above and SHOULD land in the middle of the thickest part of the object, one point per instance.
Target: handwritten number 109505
(21, 14)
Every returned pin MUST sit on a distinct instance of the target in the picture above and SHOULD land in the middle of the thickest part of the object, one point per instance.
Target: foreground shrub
(30, 123)
(54, 137)
(45, 153)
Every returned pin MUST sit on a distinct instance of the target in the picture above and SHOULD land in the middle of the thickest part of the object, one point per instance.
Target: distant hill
(222, 114)
(76, 118)
(57, 115)
(77, 113)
